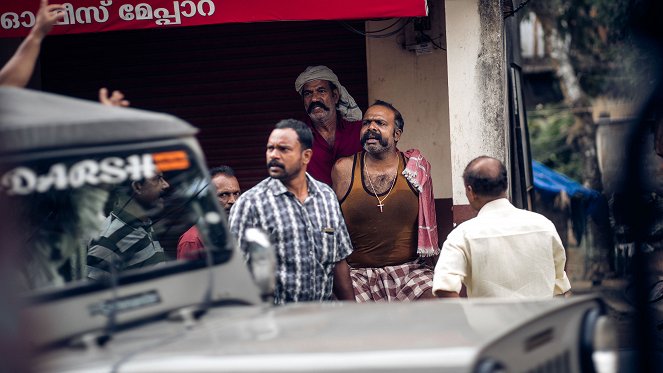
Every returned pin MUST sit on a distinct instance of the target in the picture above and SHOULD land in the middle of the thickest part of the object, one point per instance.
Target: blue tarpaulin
(551, 181)
(584, 201)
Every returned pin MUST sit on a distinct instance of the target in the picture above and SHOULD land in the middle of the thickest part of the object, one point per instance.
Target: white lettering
(164, 17)
(82, 173)
(143, 11)
(56, 176)
(126, 12)
(68, 17)
(30, 19)
(100, 13)
(210, 7)
(192, 8)
(20, 180)
(112, 171)
(9, 20)
(140, 167)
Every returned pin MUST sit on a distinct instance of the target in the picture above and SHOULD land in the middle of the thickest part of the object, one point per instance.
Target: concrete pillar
(477, 89)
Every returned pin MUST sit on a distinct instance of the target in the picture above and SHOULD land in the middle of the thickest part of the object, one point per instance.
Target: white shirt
(503, 252)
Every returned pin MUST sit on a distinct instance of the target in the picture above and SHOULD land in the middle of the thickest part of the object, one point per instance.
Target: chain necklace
(393, 182)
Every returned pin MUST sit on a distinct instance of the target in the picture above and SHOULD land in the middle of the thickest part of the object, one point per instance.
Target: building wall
(417, 86)
(531, 41)
(477, 109)
(454, 100)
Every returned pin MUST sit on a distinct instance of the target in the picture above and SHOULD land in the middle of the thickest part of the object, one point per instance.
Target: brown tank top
(380, 238)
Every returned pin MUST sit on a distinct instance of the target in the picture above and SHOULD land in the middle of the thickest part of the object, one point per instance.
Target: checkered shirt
(309, 238)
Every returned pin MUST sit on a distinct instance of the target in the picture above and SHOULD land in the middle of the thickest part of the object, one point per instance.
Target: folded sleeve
(562, 284)
(452, 266)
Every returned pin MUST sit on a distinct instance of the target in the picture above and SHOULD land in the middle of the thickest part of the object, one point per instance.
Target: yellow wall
(417, 87)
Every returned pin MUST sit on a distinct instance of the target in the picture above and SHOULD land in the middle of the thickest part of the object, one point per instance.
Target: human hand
(115, 99)
(47, 15)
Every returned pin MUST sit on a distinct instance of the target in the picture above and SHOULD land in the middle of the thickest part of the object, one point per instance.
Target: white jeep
(61, 161)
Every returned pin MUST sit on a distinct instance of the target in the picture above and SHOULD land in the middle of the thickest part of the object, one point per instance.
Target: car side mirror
(262, 261)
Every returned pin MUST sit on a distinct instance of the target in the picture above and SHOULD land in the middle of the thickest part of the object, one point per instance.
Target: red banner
(82, 16)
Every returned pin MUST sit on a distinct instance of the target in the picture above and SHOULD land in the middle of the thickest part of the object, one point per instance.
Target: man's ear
(136, 187)
(397, 134)
(336, 96)
(306, 156)
(469, 192)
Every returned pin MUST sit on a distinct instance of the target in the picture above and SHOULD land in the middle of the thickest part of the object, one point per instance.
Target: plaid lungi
(406, 281)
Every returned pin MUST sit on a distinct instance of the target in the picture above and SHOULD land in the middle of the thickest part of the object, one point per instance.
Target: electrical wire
(438, 46)
(370, 34)
(383, 29)
(374, 33)
(519, 7)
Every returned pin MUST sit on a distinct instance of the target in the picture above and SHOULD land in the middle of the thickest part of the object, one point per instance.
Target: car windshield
(87, 218)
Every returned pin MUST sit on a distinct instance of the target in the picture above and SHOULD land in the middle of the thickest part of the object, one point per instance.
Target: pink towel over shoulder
(417, 172)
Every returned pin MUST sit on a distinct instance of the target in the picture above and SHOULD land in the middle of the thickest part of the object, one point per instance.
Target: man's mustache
(165, 193)
(373, 135)
(317, 104)
(275, 163)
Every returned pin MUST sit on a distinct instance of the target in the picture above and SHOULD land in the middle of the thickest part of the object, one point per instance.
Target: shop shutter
(234, 81)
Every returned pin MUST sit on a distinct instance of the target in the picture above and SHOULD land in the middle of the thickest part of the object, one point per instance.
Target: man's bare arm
(18, 70)
(568, 294)
(342, 281)
(342, 176)
(446, 294)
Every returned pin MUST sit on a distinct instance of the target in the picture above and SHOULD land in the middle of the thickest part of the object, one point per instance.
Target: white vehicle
(63, 159)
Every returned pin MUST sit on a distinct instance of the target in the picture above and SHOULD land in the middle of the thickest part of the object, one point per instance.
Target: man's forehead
(283, 135)
(379, 112)
(224, 177)
(315, 83)
(223, 180)
(157, 175)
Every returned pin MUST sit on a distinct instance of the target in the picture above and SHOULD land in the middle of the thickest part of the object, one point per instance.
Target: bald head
(486, 176)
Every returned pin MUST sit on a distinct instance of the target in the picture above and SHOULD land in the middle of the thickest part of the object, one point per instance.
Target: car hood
(312, 336)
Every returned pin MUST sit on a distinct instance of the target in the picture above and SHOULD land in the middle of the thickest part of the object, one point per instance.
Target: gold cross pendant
(380, 206)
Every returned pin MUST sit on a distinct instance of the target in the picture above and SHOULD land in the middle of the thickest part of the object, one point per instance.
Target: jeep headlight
(598, 344)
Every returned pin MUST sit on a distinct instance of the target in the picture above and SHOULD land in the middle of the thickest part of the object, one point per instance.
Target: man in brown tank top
(381, 211)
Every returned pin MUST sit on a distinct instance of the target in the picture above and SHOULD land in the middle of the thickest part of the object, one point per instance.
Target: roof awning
(84, 16)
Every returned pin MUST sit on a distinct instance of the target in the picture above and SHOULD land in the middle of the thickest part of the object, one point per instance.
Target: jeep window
(86, 218)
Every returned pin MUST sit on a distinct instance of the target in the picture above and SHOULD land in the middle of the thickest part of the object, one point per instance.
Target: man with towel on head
(334, 119)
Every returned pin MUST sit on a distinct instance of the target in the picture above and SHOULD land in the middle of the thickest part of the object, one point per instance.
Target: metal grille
(233, 81)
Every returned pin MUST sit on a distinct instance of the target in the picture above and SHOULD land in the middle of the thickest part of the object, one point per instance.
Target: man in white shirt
(504, 251)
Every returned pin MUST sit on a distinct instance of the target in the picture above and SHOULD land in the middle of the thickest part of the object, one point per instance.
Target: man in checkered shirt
(303, 219)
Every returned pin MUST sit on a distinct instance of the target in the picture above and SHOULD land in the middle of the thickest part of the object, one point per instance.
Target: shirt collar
(495, 205)
(276, 187)
(341, 123)
(131, 220)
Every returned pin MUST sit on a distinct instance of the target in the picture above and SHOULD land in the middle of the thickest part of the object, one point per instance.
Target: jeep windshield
(100, 196)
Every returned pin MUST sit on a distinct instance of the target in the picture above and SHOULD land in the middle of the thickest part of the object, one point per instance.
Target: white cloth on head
(346, 104)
